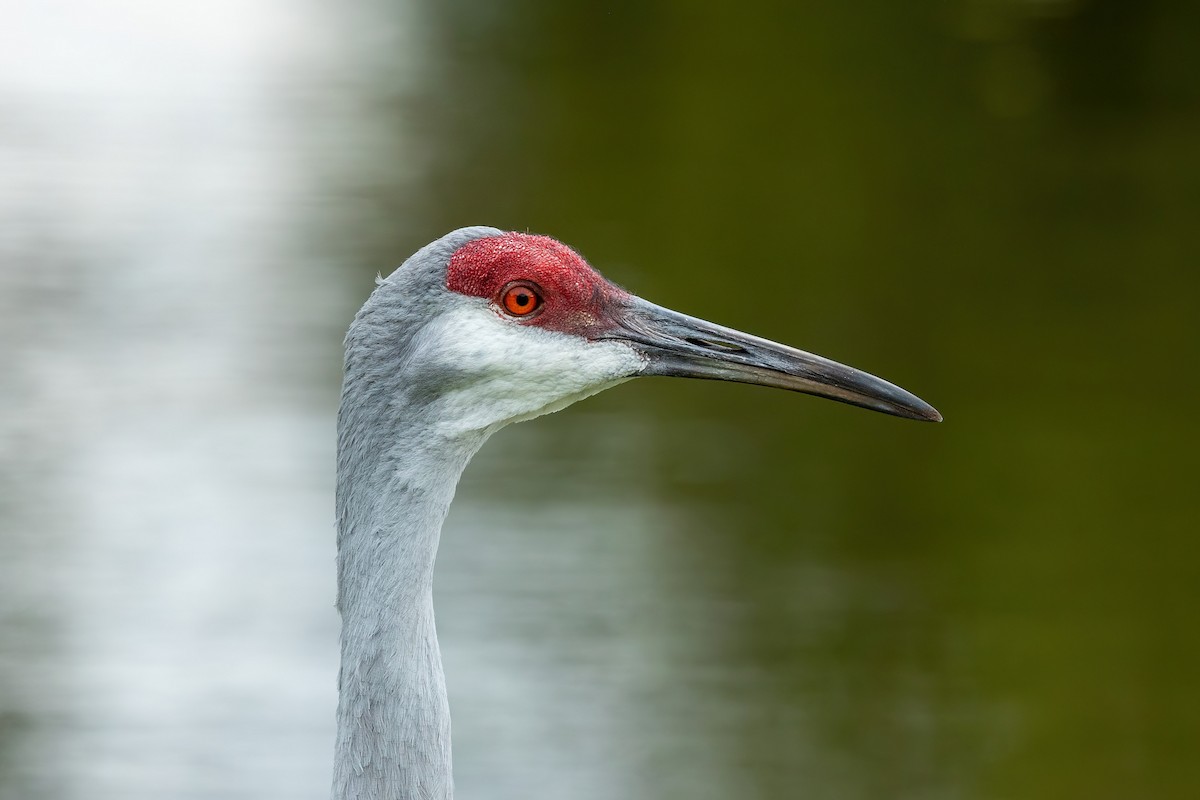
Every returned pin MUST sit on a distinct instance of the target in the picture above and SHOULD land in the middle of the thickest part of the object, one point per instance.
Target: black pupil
(522, 299)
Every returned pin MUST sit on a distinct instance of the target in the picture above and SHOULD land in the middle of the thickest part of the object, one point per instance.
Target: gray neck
(396, 479)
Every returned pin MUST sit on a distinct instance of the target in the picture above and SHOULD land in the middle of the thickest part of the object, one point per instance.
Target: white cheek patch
(519, 372)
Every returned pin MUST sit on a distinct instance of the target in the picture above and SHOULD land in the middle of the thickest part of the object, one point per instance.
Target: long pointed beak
(677, 345)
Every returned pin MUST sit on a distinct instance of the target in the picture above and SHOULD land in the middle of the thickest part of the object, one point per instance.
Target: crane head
(493, 327)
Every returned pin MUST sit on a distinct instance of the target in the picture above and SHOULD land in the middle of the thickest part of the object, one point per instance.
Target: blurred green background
(990, 203)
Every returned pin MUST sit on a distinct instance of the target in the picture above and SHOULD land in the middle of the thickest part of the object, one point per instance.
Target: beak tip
(928, 413)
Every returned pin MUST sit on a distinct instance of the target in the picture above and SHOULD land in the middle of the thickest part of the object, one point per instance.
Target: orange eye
(521, 300)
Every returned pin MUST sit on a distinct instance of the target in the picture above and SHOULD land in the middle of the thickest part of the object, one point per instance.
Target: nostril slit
(713, 344)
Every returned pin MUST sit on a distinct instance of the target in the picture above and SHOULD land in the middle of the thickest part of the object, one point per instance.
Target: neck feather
(396, 479)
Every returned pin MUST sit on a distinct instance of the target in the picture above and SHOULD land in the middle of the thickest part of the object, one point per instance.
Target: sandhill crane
(477, 330)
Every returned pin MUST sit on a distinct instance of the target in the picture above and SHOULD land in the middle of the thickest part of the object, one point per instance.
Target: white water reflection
(166, 626)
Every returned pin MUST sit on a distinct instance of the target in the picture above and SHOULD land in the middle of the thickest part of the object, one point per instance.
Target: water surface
(676, 589)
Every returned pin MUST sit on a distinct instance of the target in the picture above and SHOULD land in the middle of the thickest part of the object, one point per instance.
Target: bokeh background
(676, 589)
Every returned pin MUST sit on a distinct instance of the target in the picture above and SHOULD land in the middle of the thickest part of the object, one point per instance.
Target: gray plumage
(396, 479)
